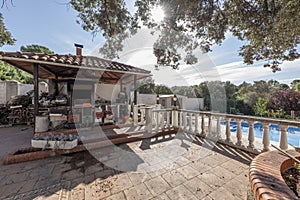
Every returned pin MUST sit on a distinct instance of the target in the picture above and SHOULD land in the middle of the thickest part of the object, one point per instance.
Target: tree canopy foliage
(270, 29)
(35, 48)
(5, 36)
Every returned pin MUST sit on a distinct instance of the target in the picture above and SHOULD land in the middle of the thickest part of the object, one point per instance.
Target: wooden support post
(135, 115)
(36, 92)
(135, 90)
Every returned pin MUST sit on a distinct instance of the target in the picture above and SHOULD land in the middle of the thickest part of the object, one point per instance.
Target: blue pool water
(293, 133)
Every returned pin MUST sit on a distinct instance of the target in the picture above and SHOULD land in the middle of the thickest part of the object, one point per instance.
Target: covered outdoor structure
(71, 68)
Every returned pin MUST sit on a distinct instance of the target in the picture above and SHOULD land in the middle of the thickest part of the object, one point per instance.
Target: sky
(53, 24)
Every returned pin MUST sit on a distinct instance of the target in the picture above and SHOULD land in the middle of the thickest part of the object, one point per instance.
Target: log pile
(20, 115)
(18, 110)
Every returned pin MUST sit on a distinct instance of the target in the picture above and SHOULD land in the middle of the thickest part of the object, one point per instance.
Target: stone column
(228, 130)
(239, 132)
(251, 135)
(135, 115)
(162, 120)
(180, 119)
(157, 121)
(168, 119)
(266, 137)
(197, 123)
(202, 125)
(184, 120)
(283, 137)
(190, 122)
(148, 116)
(218, 131)
(175, 118)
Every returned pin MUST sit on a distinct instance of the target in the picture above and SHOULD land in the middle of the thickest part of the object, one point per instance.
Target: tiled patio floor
(182, 167)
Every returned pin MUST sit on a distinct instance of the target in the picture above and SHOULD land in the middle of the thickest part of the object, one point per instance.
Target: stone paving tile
(138, 192)
(236, 188)
(157, 185)
(78, 192)
(200, 166)
(198, 188)
(243, 177)
(210, 161)
(122, 182)
(224, 174)
(162, 196)
(138, 177)
(180, 193)
(192, 172)
(118, 196)
(98, 189)
(188, 172)
(211, 180)
(174, 178)
(223, 194)
(233, 167)
(181, 161)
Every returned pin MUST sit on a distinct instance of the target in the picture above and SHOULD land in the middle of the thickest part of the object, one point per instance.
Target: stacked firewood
(20, 114)
(4, 112)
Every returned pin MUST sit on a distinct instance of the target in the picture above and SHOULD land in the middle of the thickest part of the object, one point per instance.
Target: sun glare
(157, 14)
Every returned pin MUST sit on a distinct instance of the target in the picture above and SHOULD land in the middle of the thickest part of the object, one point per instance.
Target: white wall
(109, 92)
(194, 103)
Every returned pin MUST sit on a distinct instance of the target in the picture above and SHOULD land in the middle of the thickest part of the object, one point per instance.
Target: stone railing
(208, 124)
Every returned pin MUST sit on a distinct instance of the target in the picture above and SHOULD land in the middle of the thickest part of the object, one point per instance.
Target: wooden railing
(208, 124)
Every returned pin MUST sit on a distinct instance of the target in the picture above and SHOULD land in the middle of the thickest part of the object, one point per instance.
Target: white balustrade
(266, 137)
(283, 137)
(190, 122)
(239, 132)
(210, 123)
(251, 135)
(228, 134)
(197, 123)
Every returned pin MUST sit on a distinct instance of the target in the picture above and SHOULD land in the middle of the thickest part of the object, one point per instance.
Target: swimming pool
(293, 133)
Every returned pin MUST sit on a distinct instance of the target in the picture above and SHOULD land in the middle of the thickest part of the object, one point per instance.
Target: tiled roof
(72, 60)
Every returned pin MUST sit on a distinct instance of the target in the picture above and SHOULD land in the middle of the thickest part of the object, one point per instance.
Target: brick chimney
(78, 49)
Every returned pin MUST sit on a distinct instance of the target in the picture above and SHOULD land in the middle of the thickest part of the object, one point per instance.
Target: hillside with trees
(261, 98)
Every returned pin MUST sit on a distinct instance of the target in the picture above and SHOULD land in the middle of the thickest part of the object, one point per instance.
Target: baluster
(191, 122)
(202, 125)
(197, 123)
(218, 134)
(180, 119)
(209, 127)
(283, 137)
(135, 114)
(228, 134)
(251, 135)
(168, 119)
(184, 121)
(162, 120)
(148, 117)
(142, 114)
(239, 132)
(266, 137)
(157, 121)
(174, 118)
